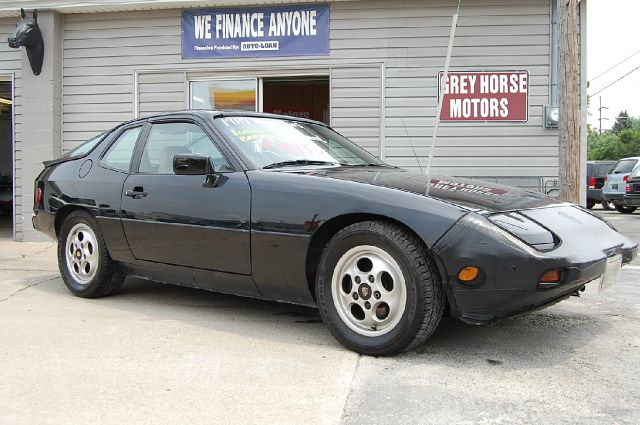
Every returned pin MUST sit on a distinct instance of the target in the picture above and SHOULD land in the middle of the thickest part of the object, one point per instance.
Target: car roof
(210, 113)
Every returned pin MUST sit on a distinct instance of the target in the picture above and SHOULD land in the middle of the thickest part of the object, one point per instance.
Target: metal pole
(600, 119)
(600, 112)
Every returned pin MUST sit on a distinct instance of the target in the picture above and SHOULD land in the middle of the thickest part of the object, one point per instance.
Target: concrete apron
(158, 354)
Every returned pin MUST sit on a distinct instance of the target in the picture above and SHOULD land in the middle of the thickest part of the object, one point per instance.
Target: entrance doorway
(6, 158)
(303, 97)
(297, 97)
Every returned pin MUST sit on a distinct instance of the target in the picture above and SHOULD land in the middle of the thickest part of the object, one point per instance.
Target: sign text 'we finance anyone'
(255, 32)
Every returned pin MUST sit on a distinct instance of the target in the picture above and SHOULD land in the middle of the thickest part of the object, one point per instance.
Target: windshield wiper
(297, 162)
(371, 164)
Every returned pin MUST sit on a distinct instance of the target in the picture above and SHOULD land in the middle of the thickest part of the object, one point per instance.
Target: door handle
(135, 194)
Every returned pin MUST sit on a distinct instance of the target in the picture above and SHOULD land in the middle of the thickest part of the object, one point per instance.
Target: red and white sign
(485, 96)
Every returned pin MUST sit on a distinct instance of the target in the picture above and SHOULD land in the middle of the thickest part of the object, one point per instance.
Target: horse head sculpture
(28, 34)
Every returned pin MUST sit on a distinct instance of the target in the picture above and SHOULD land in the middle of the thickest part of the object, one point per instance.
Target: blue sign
(255, 31)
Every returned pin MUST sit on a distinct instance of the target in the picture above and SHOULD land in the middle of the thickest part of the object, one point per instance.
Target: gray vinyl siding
(10, 64)
(161, 92)
(403, 40)
(356, 104)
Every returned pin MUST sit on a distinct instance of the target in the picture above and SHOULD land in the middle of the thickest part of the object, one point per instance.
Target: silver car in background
(616, 183)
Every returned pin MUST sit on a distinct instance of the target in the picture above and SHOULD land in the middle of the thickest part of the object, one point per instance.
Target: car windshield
(623, 166)
(85, 147)
(275, 143)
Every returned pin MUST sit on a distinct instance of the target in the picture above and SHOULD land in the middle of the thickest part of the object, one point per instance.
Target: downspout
(553, 72)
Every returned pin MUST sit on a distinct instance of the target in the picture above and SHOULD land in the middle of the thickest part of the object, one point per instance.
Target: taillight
(625, 178)
(605, 179)
(38, 198)
(628, 188)
(592, 183)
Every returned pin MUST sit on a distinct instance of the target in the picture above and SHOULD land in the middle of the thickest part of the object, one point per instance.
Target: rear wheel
(378, 291)
(83, 260)
(590, 203)
(624, 209)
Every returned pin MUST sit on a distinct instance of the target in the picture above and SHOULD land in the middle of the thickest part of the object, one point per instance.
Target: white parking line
(627, 267)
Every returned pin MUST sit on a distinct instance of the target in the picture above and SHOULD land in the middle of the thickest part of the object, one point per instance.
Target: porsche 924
(289, 210)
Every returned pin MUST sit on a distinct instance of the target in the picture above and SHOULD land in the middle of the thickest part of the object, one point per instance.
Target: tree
(630, 140)
(612, 145)
(605, 146)
(623, 122)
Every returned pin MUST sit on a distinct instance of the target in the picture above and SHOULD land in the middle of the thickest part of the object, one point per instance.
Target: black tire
(606, 205)
(625, 210)
(425, 299)
(590, 203)
(107, 278)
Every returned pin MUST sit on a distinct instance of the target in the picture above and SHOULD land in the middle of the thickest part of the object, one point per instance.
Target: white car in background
(616, 183)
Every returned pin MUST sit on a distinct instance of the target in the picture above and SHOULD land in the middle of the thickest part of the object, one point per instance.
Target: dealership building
(368, 68)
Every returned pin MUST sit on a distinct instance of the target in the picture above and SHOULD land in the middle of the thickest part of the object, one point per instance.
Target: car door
(179, 220)
(104, 186)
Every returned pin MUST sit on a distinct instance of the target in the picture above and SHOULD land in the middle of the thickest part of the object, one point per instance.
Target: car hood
(480, 196)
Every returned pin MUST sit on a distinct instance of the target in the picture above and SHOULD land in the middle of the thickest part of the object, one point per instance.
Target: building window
(239, 95)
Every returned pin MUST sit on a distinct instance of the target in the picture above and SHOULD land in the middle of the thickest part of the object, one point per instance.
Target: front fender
(288, 209)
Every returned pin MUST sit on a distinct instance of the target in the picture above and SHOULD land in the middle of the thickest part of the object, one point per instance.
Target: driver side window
(166, 140)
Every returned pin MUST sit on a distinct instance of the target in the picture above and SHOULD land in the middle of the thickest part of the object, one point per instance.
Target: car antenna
(441, 86)
(411, 142)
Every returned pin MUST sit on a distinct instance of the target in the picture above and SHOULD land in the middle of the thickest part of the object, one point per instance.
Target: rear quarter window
(86, 147)
(120, 153)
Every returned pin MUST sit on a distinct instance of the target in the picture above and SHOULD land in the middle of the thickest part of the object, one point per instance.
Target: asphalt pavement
(157, 354)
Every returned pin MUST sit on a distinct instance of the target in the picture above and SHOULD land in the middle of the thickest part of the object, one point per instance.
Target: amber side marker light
(468, 274)
(552, 276)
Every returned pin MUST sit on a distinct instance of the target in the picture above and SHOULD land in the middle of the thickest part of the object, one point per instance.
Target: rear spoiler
(58, 161)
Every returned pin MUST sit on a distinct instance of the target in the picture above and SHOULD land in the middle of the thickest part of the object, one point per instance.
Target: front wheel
(378, 291)
(624, 209)
(83, 260)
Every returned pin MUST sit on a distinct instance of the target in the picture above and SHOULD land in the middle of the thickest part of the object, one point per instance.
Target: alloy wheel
(369, 290)
(82, 254)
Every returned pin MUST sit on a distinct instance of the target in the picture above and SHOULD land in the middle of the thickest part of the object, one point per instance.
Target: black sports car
(287, 209)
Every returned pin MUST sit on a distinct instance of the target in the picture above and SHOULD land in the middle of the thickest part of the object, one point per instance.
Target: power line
(616, 65)
(624, 76)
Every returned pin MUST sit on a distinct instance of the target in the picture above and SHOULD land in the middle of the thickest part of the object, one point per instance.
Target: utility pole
(569, 91)
(600, 112)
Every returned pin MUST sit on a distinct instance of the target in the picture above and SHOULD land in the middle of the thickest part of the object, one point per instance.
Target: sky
(613, 34)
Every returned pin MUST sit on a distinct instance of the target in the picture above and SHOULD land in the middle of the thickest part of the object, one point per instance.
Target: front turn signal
(552, 276)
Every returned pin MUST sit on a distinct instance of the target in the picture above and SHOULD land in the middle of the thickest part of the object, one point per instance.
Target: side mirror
(192, 165)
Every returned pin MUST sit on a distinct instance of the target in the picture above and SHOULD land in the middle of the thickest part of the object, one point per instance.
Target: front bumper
(511, 270)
